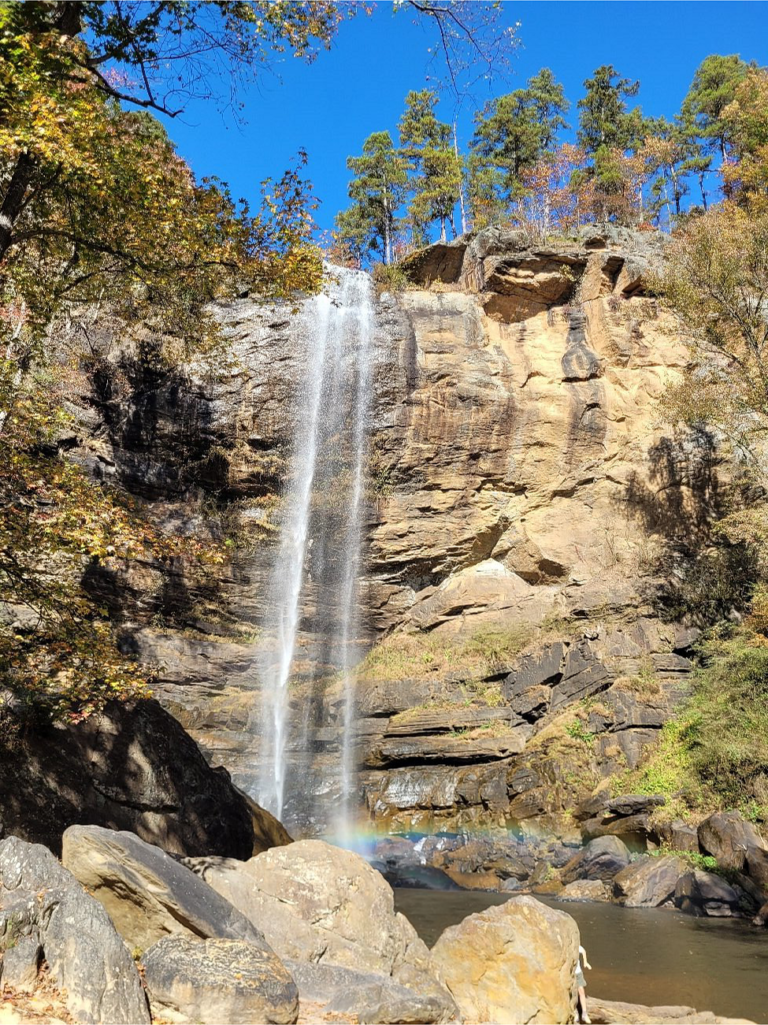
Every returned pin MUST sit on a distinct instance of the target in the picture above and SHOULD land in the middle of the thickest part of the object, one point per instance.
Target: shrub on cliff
(714, 754)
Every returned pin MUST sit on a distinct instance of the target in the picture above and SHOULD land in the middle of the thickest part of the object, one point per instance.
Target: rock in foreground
(512, 963)
(147, 893)
(45, 913)
(603, 1012)
(319, 904)
(218, 982)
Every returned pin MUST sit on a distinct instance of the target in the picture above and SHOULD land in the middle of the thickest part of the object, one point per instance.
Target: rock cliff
(521, 489)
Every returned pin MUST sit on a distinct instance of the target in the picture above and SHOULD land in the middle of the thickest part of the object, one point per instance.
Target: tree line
(623, 166)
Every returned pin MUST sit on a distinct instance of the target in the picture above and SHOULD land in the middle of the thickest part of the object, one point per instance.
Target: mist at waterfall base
(304, 779)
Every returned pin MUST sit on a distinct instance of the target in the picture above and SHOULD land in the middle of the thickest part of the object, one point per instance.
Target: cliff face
(520, 487)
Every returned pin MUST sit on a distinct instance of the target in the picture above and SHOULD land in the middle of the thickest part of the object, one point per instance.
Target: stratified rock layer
(518, 478)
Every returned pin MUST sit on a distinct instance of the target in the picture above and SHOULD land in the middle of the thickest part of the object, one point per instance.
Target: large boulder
(704, 893)
(218, 982)
(131, 766)
(327, 990)
(514, 962)
(46, 914)
(585, 889)
(149, 894)
(320, 904)
(728, 837)
(601, 858)
(648, 882)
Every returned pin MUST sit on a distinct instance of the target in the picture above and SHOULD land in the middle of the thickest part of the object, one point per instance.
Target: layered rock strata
(518, 479)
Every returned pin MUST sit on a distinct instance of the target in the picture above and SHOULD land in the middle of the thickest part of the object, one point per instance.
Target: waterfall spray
(321, 528)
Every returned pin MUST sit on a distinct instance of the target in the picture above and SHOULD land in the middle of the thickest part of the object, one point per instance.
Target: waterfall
(314, 582)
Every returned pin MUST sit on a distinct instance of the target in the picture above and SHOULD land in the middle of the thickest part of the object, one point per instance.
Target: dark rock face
(131, 767)
(45, 913)
(648, 882)
(704, 893)
(727, 837)
(602, 858)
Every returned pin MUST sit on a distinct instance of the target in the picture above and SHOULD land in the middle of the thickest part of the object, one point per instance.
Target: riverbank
(643, 956)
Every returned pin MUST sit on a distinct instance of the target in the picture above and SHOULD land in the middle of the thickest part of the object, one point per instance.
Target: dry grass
(418, 656)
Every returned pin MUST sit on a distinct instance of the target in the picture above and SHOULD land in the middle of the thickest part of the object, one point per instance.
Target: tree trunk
(442, 229)
(13, 201)
(703, 191)
(462, 207)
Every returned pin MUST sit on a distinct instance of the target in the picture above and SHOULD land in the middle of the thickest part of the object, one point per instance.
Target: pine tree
(511, 134)
(712, 90)
(604, 120)
(427, 149)
(378, 189)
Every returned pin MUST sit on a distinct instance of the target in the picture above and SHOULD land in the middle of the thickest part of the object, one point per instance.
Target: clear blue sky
(329, 107)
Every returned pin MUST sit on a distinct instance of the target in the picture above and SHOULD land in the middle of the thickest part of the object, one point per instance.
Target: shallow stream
(642, 956)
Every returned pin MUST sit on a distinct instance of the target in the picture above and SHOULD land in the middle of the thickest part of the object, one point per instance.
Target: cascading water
(317, 566)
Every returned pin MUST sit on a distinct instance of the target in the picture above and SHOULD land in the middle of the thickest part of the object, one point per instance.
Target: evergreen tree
(607, 130)
(378, 189)
(427, 149)
(712, 90)
(511, 134)
(604, 120)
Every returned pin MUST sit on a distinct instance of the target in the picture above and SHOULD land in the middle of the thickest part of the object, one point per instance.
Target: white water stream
(321, 529)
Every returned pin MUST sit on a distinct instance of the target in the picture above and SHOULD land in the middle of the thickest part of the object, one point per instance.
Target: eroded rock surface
(216, 980)
(149, 894)
(46, 914)
(513, 962)
(518, 477)
(322, 905)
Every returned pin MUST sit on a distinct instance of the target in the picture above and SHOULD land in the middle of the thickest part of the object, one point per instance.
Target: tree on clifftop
(426, 147)
(512, 133)
(378, 189)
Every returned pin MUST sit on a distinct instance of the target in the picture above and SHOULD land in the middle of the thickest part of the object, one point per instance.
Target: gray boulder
(586, 889)
(326, 989)
(704, 893)
(218, 982)
(45, 913)
(599, 859)
(147, 893)
(321, 904)
(757, 867)
(727, 837)
(648, 882)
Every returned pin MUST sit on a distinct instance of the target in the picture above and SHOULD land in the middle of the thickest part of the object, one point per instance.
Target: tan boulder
(320, 904)
(512, 963)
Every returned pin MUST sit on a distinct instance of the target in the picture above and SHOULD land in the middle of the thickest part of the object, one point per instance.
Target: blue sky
(329, 107)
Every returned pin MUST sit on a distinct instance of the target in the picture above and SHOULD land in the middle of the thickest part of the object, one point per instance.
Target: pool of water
(643, 956)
